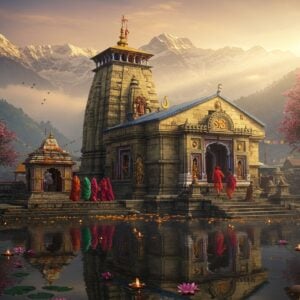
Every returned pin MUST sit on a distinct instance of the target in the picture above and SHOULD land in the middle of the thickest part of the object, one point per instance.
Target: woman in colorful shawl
(75, 191)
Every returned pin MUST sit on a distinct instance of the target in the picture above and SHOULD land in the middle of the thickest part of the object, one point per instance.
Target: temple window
(130, 58)
(124, 57)
(124, 163)
(138, 59)
(117, 56)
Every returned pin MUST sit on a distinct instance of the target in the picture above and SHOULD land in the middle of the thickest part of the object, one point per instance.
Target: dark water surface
(228, 260)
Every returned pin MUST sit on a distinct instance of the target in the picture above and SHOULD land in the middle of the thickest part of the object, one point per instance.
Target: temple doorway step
(217, 154)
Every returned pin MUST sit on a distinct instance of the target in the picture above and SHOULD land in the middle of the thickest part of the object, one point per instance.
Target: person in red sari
(217, 178)
(230, 185)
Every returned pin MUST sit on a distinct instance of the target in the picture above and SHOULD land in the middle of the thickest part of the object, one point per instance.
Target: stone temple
(151, 150)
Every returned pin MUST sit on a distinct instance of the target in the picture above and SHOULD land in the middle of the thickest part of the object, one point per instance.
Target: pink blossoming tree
(7, 153)
(291, 122)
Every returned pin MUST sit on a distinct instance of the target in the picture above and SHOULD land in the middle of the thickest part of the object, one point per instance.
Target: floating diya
(7, 253)
(297, 248)
(139, 235)
(136, 284)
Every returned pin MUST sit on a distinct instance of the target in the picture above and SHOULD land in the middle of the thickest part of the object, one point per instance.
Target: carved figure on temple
(48, 181)
(195, 170)
(140, 105)
(139, 170)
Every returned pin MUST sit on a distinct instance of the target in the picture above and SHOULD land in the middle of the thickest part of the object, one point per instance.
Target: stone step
(230, 209)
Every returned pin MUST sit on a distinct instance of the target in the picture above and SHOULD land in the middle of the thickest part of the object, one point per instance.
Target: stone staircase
(263, 209)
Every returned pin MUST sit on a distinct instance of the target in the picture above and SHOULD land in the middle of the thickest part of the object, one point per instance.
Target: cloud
(65, 112)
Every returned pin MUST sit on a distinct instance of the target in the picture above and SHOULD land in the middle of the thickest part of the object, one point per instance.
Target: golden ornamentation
(165, 103)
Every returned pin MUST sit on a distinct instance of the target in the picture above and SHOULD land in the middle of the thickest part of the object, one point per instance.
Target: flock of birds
(32, 86)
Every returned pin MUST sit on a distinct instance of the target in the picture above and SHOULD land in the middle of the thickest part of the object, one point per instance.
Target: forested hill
(268, 106)
(30, 133)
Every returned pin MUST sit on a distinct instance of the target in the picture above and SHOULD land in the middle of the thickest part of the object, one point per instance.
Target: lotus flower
(18, 264)
(19, 250)
(59, 298)
(282, 242)
(30, 252)
(106, 275)
(187, 288)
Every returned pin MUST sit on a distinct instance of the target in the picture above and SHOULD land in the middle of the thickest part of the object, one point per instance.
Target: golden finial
(165, 103)
(123, 32)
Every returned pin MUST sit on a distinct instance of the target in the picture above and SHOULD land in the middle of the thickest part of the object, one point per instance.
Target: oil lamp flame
(137, 284)
(7, 253)
(297, 248)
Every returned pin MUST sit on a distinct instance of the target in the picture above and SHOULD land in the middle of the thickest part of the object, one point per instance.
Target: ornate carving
(240, 146)
(140, 105)
(139, 170)
(220, 121)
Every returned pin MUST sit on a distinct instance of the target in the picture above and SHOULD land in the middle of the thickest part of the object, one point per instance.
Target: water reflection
(224, 260)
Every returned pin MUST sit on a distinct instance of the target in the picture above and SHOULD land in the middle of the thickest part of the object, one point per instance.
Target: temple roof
(20, 168)
(49, 153)
(176, 109)
(122, 44)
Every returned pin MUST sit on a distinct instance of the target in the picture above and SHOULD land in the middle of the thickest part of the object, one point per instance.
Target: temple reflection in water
(225, 261)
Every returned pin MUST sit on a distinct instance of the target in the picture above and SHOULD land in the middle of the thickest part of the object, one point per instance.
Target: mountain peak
(166, 41)
(8, 49)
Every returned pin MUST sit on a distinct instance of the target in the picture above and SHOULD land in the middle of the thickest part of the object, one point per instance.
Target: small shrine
(49, 168)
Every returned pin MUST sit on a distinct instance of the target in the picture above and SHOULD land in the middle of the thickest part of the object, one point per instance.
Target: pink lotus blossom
(283, 242)
(30, 252)
(18, 264)
(106, 275)
(19, 250)
(187, 288)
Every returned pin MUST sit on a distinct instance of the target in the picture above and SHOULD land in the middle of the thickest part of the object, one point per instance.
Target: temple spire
(123, 33)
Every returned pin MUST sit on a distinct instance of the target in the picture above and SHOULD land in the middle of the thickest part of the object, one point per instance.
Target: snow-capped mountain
(66, 67)
(8, 49)
(184, 71)
(168, 42)
(181, 70)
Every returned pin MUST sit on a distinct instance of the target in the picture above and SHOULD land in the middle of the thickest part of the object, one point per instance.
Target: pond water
(226, 259)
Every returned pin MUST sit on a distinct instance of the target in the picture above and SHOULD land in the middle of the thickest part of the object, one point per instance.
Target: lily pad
(19, 290)
(41, 295)
(20, 274)
(57, 288)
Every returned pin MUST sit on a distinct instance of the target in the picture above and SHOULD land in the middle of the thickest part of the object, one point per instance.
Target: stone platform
(189, 204)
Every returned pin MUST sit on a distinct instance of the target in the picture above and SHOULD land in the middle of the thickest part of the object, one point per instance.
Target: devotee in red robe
(230, 184)
(219, 243)
(217, 178)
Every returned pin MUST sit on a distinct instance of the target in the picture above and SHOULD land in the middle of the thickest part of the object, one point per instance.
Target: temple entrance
(52, 180)
(217, 154)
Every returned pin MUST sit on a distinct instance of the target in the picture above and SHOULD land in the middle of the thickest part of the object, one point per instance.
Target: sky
(272, 24)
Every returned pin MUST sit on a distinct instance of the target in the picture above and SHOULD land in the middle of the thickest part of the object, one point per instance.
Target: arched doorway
(52, 180)
(217, 154)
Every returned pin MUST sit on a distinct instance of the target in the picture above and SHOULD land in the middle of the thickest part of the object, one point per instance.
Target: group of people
(218, 177)
(91, 190)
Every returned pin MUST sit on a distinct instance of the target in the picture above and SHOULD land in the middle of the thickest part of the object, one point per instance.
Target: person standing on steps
(217, 179)
(230, 184)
